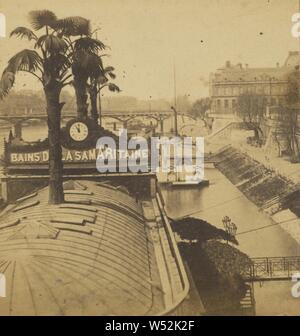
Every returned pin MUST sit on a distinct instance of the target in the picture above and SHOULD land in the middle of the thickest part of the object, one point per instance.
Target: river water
(223, 198)
(212, 204)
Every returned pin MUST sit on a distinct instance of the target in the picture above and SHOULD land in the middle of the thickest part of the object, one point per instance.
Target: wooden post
(18, 130)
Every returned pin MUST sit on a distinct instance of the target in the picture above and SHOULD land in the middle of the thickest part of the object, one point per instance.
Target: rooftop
(244, 73)
(99, 253)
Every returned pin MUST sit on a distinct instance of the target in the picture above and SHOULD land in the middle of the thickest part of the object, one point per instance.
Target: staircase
(247, 304)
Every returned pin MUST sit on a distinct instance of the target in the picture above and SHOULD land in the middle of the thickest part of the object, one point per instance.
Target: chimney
(228, 65)
(277, 65)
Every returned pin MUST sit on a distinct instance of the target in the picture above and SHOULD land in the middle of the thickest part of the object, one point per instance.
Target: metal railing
(271, 268)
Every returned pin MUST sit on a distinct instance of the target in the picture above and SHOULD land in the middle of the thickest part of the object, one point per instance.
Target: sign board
(71, 156)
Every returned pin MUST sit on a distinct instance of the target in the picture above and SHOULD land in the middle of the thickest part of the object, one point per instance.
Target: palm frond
(88, 44)
(25, 60)
(102, 79)
(6, 83)
(87, 63)
(42, 18)
(74, 26)
(113, 87)
(24, 32)
(62, 62)
(109, 69)
(112, 75)
(51, 43)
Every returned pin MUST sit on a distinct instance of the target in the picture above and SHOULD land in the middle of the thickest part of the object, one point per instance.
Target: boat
(102, 252)
(202, 183)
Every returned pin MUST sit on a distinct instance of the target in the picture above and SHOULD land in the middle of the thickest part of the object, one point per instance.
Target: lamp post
(175, 124)
(150, 110)
(229, 226)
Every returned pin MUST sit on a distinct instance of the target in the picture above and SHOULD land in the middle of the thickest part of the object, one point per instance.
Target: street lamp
(150, 110)
(229, 226)
(175, 115)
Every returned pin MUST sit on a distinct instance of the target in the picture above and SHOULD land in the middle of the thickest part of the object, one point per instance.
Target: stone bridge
(122, 116)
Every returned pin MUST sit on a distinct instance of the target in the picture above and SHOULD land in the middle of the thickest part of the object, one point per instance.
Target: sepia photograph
(150, 160)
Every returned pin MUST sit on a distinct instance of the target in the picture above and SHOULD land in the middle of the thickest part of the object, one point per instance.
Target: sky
(149, 38)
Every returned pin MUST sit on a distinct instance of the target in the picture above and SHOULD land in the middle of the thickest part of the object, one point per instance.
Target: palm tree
(49, 63)
(85, 59)
(89, 75)
(96, 85)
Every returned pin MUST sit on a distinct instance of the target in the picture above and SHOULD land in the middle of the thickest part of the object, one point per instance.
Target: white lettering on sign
(2, 25)
(75, 155)
(29, 157)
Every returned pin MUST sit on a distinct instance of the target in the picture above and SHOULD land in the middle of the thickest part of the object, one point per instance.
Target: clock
(79, 131)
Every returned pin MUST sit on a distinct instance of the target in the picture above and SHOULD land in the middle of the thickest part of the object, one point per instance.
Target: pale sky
(148, 36)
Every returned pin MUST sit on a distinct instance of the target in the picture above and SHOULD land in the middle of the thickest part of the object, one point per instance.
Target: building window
(228, 91)
(226, 103)
(267, 89)
(233, 103)
(218, 103)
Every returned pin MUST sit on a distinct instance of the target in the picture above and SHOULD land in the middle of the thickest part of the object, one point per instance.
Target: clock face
(79, 131)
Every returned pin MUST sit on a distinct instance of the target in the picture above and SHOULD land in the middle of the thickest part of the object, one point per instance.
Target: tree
(200, 107)
(191, 228)
(97, 84)
(84, 54)
(289, 114)
(251, 109)
(48, 62)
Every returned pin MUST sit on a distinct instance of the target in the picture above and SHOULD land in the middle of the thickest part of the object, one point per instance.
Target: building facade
(230, 81)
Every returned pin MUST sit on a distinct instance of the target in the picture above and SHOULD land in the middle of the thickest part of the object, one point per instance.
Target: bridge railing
(265, 268)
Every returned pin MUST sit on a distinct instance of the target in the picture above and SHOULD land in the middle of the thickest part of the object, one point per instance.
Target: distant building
(230, 81)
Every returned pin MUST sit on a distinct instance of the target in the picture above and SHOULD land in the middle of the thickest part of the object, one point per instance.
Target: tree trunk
(56, 193)
(81, 97)
(100, 109)
(94, 107)
(256, 134)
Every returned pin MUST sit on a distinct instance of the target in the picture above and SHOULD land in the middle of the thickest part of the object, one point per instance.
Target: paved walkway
(280, 165)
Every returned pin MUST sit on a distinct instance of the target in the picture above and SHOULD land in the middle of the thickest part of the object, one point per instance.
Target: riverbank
(265, 187)
(274, 193)
(215, 265)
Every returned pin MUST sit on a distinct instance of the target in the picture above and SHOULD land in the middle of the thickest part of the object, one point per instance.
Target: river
(223, 198)
(212, 204)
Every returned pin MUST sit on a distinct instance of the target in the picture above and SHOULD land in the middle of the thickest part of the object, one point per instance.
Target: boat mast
(175, 102)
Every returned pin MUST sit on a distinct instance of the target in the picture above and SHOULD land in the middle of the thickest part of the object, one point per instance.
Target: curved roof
(92, 255)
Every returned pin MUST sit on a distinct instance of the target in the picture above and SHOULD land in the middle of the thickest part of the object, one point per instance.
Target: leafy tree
(191, 228)
(200, 107)
(251, 109)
